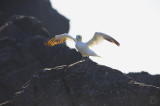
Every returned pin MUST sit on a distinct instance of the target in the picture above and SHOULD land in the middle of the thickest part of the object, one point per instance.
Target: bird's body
(82, 47)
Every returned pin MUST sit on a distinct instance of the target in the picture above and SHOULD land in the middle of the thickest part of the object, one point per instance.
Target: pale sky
(135, 24)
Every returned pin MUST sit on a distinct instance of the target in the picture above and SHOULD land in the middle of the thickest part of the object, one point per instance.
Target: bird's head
(79, 38)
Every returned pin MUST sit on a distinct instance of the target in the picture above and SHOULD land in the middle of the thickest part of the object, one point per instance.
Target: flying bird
(82, 47)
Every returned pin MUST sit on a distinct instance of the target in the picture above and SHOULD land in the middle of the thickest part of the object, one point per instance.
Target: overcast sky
(134, 23)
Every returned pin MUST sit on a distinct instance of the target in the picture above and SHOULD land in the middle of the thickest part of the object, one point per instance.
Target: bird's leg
(85, 58)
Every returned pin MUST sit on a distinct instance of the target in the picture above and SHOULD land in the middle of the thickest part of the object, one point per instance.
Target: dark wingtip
(114, 41)
(117, 44)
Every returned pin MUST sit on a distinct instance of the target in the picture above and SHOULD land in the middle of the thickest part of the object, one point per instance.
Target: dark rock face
(41, 9)
(85, 84)
(146, 78)
(19, 27)
(21, 42)
(22, 52)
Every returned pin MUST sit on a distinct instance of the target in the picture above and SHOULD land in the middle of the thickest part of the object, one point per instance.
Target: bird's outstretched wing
(98, 37)
(58, 39)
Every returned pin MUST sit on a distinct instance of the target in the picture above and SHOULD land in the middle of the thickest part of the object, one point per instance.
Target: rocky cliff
(146, 78)
(41, 9)
(24, 27)
(22, 52)
(32, 74)
(85, 83)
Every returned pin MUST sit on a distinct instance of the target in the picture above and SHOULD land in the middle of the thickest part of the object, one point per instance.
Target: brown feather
(54, 41)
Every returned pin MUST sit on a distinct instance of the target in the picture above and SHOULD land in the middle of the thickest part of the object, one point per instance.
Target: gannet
(82, 47)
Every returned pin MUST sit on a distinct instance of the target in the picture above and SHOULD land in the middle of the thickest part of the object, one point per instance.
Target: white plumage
(82, 47)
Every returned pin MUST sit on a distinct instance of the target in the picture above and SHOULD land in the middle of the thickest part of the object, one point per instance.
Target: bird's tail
(98, 56)
(95, 55)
